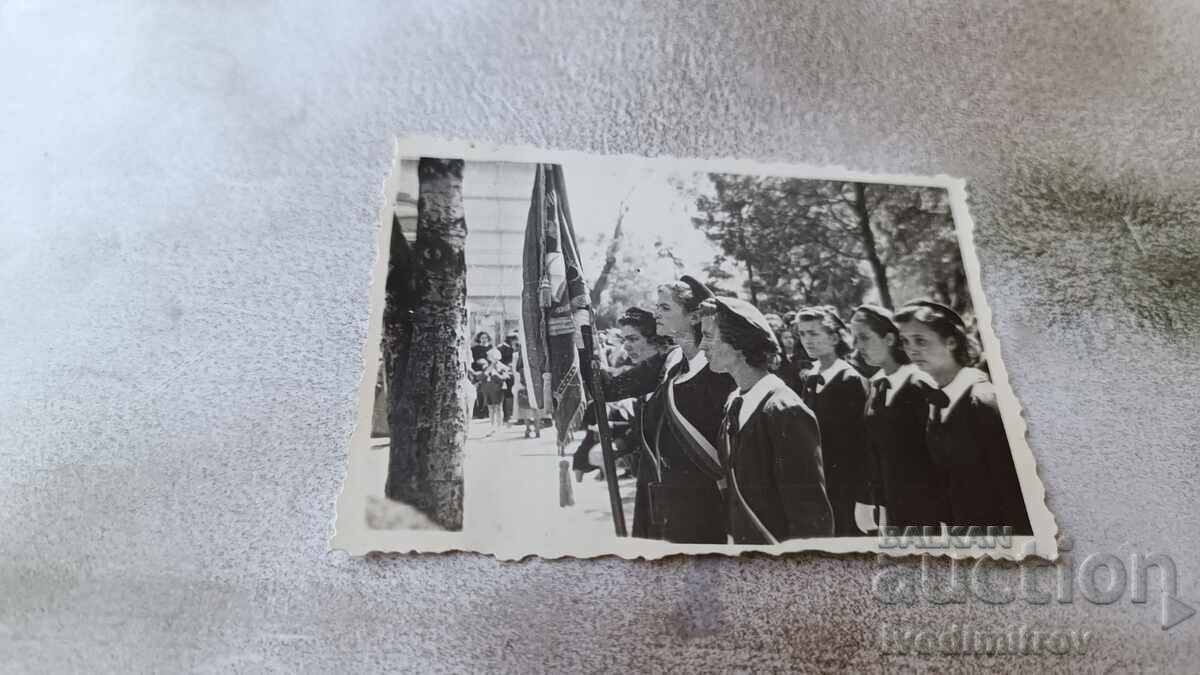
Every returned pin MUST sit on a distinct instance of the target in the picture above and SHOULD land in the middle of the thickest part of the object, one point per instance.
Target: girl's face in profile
(721, 356)
(874, 348)
(670, 318)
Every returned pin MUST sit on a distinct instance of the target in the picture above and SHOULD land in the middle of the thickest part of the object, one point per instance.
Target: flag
(554, 305)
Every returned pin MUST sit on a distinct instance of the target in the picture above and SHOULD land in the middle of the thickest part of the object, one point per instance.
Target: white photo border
(354, 537)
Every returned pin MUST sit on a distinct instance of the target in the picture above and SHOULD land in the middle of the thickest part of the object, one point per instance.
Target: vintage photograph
(576, 355)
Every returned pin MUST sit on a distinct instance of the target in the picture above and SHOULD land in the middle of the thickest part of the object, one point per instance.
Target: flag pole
(591, 368)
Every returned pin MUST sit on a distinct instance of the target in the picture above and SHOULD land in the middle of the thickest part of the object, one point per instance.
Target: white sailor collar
(753, 397)
(829, 373)
(898, 376)
(673, 357)
(959, 386)
(695, 365)
(897, 379)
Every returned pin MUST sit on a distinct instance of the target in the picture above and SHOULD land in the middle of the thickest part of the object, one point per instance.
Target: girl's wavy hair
(832, 323)
(881, 323)
(759, 349)
(946, 323)
(685, 296)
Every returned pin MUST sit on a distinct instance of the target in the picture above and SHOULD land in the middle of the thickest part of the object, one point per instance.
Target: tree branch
(849, 226)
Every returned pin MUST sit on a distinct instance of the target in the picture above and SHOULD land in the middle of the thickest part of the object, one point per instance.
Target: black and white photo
(579, 355)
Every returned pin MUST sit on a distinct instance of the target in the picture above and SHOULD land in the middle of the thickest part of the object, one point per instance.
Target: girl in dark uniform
(640, 343)
(682, 421)
(964, 432)
(904, 482)
(793, 361)
(770, 445)
(677, 494)
(837, 393)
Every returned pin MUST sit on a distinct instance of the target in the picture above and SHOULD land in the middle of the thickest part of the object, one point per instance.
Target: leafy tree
(806, 242)
(627, 276)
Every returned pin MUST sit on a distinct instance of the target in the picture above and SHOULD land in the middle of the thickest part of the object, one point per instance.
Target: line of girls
(905, 430)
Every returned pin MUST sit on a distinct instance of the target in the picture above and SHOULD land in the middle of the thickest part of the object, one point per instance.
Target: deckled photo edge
(354, 537)
(1045, 526)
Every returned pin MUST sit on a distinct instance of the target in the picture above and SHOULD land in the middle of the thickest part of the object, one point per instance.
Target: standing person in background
(770, 445)
(904, 484)
(964, 431)
(467, 384)
(525, 401)
(508, 356)
(495, 376)
(793, 360)
(483, 342)
(837, 393)
(479, 350)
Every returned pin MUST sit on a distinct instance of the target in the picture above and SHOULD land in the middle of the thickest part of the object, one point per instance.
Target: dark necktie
(881, 388)
(810, 389)
(725, 444)
(733, 415)
(939, 400)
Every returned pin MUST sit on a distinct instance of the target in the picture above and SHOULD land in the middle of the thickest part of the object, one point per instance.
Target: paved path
(512, 492)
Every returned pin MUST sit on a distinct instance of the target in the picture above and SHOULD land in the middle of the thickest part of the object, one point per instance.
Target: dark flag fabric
(554, 304)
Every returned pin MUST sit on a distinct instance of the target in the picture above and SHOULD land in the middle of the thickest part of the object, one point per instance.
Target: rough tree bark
(859, 206)
(428, 320)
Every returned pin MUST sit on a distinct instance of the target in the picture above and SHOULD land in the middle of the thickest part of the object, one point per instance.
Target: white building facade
(496, 198)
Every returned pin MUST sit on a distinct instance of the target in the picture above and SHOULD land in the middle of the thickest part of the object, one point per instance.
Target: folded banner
(554, 305)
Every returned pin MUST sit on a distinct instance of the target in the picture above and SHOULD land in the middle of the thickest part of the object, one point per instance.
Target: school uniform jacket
(684, 505)
(970, 450)
(774, 472)
(904, 478)
(792, 374)
(839, 409)
(643, 378)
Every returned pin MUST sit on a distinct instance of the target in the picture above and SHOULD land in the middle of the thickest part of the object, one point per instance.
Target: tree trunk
(429, 426)
(610, 260)
(868, 238)
(400, 294)
(749, 264)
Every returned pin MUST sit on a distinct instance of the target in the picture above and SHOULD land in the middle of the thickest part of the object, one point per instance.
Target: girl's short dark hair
(881, 323)
(640, 319)
(757, 347)
(832, 323)
(645, 325)
(481, 334)
(947, 324)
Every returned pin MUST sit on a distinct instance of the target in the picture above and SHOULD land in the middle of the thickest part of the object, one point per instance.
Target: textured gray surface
(187, 203)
